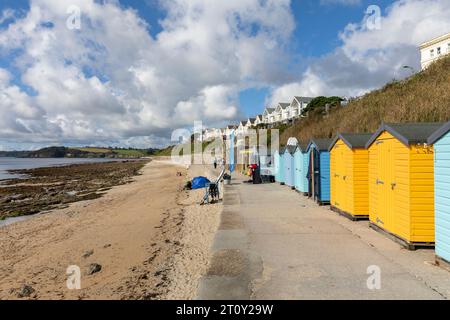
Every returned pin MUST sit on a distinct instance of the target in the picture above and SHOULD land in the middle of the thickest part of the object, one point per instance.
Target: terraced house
(434, 49)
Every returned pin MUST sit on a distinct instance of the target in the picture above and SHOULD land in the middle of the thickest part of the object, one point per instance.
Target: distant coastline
(86, 152)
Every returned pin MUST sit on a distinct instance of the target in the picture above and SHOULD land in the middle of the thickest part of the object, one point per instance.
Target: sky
(130, 72)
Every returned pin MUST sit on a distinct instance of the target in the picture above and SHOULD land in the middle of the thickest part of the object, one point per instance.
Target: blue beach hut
(441, 141)
(289, 172)
(319, 170)
(301, 169)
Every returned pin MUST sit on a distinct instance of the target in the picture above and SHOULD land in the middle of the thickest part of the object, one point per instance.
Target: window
(439, 51)
(448, 47)
(432, 53)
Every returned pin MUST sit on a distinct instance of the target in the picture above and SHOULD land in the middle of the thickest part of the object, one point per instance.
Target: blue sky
(137, 70)
(316, 34)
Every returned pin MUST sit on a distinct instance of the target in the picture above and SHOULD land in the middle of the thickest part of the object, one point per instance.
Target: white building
(269, 115)
(259, 120)
(250, 123)
(242, 128)
(211, 134)
(282, 112)
(298, 105)
(229, 130)
(434, 49)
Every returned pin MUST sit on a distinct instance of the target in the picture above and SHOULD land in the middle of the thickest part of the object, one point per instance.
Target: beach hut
(279, 166)
(289, 172)
(319, 170)
(349, 174)
(301, 169)
(441, 141)
(401, 183)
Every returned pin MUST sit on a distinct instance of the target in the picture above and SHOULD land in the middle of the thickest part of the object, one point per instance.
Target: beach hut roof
(291, 149)
(352, 140)
(439, 133)
(407, 133)
(302, 147)
(320, 144)
(282, 149)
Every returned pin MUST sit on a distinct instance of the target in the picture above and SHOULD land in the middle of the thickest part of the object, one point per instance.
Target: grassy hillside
(117, 152)
(425, 97)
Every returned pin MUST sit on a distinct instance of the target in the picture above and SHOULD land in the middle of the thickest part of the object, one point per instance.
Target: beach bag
(199, 183)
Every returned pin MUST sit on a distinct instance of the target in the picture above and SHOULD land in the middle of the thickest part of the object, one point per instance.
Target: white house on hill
(242, 128)
(269, 115)
(250, 123)
(434, 49)
(282, 112)
(298, 105)
(258, 120)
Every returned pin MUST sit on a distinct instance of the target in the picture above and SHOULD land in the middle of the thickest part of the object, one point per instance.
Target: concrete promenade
(274, 243)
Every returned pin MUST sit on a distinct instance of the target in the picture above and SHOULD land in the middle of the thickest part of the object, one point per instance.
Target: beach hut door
(385, 175)
(316, 155)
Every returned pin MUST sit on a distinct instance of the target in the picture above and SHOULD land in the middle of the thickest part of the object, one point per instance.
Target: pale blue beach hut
(289, 172)
(441, 141)
(279, 166)
(301, 169)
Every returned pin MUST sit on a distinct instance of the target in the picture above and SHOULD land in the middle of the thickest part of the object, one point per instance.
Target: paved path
(274, 243)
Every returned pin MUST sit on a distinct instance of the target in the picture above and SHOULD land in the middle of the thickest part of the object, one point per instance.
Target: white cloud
(112, 81)
(369, 58)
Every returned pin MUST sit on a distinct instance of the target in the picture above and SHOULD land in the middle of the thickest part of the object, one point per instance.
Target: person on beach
(215, 164)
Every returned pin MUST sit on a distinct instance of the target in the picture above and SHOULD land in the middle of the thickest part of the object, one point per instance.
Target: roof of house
(352, 140)
(321, 144)
(407, 133)
(252, 120)
(439, 133)
(284, 105)
(270, 110)
(304, 99)
(231, 127)
(435, 41)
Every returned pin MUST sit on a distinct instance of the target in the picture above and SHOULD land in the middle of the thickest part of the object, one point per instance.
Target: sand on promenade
(150, 237)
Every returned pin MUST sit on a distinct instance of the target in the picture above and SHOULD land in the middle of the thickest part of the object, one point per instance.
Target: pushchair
(212, 189)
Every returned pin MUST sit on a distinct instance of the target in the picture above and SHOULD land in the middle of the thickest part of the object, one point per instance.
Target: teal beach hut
(441, 141)
(301, 169)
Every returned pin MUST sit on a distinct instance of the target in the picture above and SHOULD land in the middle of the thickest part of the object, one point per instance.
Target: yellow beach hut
(401, 183)
(349, 170)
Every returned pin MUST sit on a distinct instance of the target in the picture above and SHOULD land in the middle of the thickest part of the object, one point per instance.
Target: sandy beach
(150, 238)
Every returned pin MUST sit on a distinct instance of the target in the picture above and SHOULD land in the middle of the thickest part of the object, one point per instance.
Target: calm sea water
(28, 163)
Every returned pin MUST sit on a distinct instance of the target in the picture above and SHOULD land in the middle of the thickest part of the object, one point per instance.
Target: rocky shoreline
(44, 189)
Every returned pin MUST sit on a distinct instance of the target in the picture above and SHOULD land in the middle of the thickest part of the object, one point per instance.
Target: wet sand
(151, 239)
